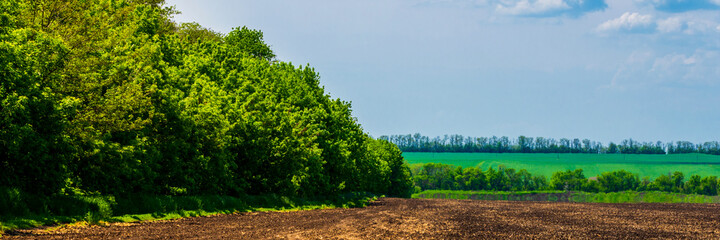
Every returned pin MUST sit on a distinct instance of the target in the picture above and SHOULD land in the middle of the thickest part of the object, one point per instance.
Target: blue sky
(605, 70)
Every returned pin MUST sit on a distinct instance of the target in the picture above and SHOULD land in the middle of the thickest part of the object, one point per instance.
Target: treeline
(113, 97)
(523, 144)
(435, 176)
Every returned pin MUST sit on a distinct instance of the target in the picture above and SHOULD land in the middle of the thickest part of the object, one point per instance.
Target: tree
(612, 148)
(678, 181)
(568, 180)
(33, 151)
(709, 186)
(113, 97)
(193, 32)
(693, 185)
(662, 183)
(250, 42)
(618, 181)
(473, 179)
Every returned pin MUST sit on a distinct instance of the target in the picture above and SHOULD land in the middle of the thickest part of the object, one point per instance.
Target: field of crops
(592, 164)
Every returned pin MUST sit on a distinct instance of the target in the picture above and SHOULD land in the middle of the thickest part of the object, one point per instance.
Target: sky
(604, 70)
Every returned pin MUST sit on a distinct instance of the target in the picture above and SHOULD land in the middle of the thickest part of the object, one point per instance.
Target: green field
(592, 164)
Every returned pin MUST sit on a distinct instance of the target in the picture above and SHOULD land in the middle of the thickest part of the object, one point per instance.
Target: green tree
(591, 186)
(249, 41)
(678, 179)
(709, 186)
(33, 151)
(693, 185)
(618, 181)
(497, 180)
(568, 180)
(473, 179)
(113, 97)
(662, 183)
(401, 184)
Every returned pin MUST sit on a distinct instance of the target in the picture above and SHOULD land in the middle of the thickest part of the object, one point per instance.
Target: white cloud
(677, 24)
(527, 7)
(673, 24)
(456, 3)
(682, 5)
(644, 68)
(628, 22)
(700, 68)
(689, 25)
(549, 8)
(686, 24)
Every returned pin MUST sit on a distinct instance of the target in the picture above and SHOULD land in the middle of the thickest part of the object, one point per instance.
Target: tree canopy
(436, 176)
(113, 97)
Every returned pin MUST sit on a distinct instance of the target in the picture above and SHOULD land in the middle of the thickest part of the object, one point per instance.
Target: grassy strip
(643, 197)
(592, 164)
(481, 195)
(560, 196)
(19, 211)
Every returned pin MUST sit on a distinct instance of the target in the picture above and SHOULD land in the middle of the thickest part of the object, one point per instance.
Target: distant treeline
(523, 144)
(436, 176)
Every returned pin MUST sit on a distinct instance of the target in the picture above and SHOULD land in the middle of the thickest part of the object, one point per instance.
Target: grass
(592, 164)
(484, 195)
(19, 210)
(561, 196)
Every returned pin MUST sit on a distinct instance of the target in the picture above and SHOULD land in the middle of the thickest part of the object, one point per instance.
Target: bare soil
(392, 218)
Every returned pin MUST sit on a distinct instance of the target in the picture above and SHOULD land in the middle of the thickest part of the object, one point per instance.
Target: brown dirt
(392, 218)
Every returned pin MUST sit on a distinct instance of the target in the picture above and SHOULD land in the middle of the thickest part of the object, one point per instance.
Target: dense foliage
(448, 177)
(523, 144)
(571, 196)
(113, 97)
(435, 176)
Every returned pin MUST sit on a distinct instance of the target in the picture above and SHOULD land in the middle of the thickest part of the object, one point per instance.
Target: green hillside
(592, 164)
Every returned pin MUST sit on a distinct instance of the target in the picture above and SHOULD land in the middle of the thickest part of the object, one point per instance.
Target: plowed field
(391, 218)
